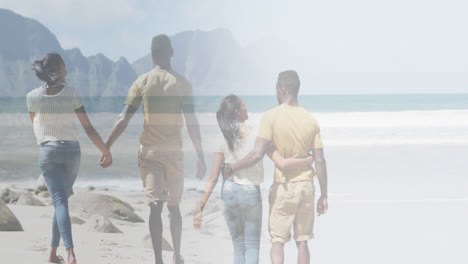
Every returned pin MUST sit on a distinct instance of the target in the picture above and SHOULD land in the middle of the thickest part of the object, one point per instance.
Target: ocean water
(261, 103)
(379, 145)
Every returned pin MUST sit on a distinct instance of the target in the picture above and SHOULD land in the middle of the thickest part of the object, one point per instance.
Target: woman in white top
(53, 108)
(240, 193)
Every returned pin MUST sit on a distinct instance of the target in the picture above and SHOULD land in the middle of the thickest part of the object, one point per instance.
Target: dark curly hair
(47, 69)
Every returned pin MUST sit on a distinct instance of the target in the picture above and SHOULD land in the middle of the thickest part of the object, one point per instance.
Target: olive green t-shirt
(163, 93)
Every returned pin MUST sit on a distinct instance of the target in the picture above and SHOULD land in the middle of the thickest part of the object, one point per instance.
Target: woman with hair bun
(240, 192)
(53, 108)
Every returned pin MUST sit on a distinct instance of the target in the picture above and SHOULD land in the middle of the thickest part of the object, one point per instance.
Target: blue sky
(399, 46)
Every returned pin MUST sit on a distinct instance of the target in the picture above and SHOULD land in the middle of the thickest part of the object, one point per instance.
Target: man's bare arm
(321, 168)
(193, 129)
(261, 147)
(121, 124)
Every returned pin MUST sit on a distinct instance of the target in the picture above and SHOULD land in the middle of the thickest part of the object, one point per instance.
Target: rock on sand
(28, 199)
(23, 198)
(101, 224)
(8, 221)
(89, 203)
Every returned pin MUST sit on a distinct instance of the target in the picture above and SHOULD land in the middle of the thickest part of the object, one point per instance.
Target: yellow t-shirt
(294, 133)
(163, 94)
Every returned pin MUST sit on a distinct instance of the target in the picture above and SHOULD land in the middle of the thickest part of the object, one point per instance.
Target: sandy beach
(355, 230)
(32, 245)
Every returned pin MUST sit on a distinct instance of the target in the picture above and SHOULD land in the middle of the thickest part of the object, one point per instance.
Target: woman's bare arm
(209, 187)
(106, 158)
(31, 115)
(287, 163)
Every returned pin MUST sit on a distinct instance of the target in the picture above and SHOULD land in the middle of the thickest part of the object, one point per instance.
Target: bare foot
(71, 260)
(71, 256)
(55, 259)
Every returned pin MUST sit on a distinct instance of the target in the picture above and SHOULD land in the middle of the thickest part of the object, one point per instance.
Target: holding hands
(106, 159)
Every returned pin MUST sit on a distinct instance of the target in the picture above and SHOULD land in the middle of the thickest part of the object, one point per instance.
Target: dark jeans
(243, 214)
(59, 162)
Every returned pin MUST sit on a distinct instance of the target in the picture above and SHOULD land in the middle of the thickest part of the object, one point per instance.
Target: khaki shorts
(162, 173)
(292, 204)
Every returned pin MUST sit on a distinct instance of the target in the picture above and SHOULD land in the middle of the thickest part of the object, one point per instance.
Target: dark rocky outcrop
(213, 61)
(29, 40)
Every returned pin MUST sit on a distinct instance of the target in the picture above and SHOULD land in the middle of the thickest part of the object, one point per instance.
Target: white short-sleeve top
(55, 115)
(249, 176)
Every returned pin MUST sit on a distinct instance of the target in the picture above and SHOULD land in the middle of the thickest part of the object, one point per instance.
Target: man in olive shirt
(165, 95)
(294, 133)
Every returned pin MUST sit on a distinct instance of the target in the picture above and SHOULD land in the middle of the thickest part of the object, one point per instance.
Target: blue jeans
(243, 214)
(59, 162)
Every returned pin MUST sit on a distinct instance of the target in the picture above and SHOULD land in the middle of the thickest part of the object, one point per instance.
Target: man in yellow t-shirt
(294, 133)
(166, 96)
